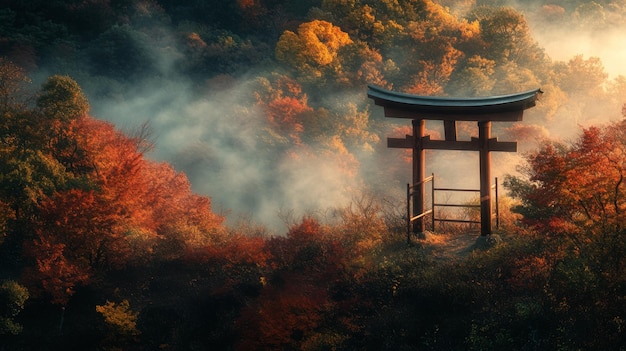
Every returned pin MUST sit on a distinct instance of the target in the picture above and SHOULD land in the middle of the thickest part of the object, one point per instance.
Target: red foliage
(307, 248)
(234, 252)
(118, 215)
(581, 185)
(284, 104)
(294, 298)
(530, 272)
(53, 272)
(246, 4)
(283, 315)
(91, 230)
(150, 196)
(283, 112)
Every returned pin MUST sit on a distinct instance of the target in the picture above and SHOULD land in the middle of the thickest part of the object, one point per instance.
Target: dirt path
(450, 246)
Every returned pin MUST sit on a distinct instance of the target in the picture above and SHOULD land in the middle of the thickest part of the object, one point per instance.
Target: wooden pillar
(484, 134)
(419, 169)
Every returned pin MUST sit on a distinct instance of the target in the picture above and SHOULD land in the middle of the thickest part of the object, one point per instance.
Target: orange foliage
(303, 248)
(78, 234)
(435, 73)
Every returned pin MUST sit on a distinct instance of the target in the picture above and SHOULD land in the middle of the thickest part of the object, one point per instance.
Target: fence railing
(410, 193)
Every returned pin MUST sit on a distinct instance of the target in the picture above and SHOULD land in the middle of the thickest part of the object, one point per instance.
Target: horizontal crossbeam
(506, 116)
(472, 145)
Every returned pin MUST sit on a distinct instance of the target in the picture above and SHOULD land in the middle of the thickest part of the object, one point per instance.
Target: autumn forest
(210, 175)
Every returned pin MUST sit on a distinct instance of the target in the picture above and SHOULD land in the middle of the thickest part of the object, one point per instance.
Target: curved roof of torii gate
(492, 108)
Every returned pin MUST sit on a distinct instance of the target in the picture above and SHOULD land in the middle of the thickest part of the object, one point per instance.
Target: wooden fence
(410, 193)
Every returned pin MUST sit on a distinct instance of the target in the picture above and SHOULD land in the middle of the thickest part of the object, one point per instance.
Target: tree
(121, 52)
(53, 272)
(13, 297)
(510, 77)
(475, 79)
(87, 201)
(284, 105)
(62, 100)
(433, 44)
(60, 103)
(12, 96)
(27, 178)
(119, 317)
(507, 36)
(15, 116)
(578, 188)
(295, 297)
(581, 76)
(313, 50)
(574, 197)
(283, 315)
(590, 15)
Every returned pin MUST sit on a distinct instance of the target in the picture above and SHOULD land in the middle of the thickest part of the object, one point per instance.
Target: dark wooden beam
(472, 145)
(484, 140)
(397, 143)
(449, 129)
(509, 116)
(419, 171)
(449, 145)
(504, 146)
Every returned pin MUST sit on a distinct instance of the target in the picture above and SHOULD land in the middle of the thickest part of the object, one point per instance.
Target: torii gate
(504, 108)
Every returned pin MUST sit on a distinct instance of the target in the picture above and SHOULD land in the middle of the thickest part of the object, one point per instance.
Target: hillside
(192, 175)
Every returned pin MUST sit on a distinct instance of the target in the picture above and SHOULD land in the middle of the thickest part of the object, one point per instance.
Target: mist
(217, 135)
(217, 141)
(565, 34)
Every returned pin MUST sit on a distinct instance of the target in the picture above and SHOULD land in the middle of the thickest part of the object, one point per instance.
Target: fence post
(408, 214)
(497, 207)
(432, 201)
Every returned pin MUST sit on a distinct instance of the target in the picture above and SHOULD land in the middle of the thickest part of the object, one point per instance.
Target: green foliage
(62, 99)
(29, 177)
(121, 52)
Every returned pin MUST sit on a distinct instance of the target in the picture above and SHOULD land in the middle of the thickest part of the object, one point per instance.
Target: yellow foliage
(119, 317)
(6, 214)
(469, 29)
(314, 46)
